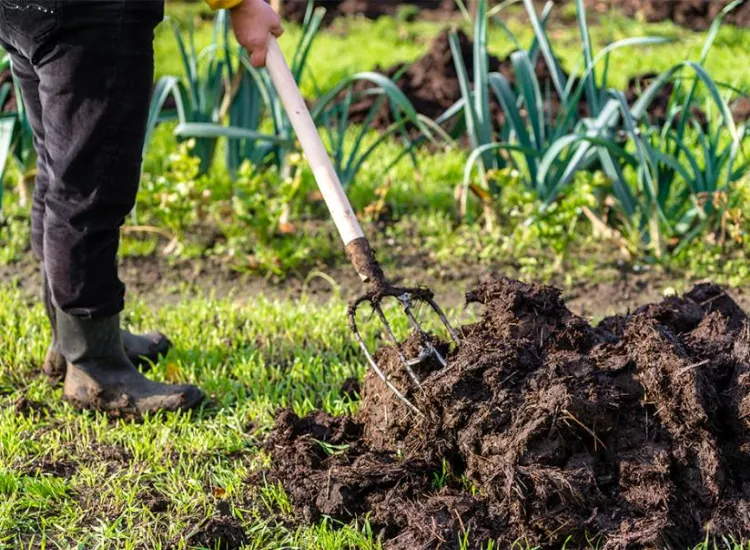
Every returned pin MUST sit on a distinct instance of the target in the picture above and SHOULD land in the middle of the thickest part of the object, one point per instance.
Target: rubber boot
(100, 376)
(142, 350)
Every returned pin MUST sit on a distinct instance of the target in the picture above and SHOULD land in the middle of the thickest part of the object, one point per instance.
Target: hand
(253, 21)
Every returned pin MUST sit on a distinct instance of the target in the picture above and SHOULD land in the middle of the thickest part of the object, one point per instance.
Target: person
(85, 70)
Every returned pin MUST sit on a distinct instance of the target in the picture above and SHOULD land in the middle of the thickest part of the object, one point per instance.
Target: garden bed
(693, 14)
(631, 433)
(432, 86)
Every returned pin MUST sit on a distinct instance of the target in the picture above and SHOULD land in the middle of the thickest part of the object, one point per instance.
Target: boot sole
(123, 407)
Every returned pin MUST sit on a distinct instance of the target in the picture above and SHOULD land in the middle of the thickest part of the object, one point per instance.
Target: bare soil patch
(693, 14)
(220, 533)
(633, 433)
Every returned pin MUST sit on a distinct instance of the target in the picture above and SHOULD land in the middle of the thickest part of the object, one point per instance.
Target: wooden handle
(302, 122)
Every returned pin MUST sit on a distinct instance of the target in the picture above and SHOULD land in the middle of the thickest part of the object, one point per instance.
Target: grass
(71, 479)
(249, 359)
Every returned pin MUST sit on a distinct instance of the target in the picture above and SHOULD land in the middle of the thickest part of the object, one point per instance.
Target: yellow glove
(222, 4)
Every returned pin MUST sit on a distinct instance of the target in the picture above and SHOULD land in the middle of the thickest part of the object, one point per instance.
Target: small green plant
(178, 198)
(330, 449)
(440, 479)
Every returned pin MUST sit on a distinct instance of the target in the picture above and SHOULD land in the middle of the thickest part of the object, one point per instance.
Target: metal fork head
(407, 298)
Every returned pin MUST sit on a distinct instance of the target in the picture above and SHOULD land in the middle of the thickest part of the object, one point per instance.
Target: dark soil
(634, 433)
(156, 502)
(741, 109)
(220, 533)
(10, 105)
(47, 466)
(294, 10)
(693, 14)
(28, 408)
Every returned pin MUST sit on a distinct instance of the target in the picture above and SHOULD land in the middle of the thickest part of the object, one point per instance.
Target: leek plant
(210, 91)
(545, 148)
(685, 170)
(198, 98)
(257, 96)
(252, 97)
(348, 147)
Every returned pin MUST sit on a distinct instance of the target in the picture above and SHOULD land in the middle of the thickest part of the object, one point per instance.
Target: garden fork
(358, 249)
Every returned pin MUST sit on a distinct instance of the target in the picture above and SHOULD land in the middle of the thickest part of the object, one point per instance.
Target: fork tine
(443, 318)
(406, 297)
(405, 300)
(394, 341)
(374, 365)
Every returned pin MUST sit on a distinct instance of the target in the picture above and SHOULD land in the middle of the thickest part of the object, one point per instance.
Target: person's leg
(141, 349)
(95, 69)
(96, 76)
(28, 82)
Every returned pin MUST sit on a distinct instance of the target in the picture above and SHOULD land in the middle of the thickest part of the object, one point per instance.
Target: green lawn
(68, 478)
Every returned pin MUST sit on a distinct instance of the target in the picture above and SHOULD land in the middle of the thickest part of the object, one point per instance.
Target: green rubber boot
(142, 350)
(100, 375)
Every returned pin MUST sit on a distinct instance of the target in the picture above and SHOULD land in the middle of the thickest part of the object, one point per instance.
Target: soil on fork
(634, 433)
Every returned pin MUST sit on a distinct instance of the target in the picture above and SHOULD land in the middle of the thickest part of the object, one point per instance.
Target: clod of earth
(693, 14)
(633, 433)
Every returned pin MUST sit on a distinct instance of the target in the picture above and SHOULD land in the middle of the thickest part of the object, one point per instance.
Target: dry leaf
(287, 228)
(315, 196)
(173, 373)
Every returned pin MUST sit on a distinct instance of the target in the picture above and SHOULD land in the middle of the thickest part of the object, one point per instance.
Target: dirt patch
(294, 10)
(220, 533)
(47, 466)
(156, 502)
(28, 407)
(10, 104)
(741, 109)
(351, 388)
(693, 14)
(631, 433)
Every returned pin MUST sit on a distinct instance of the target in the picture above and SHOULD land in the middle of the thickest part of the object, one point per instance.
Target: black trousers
(85, 69)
